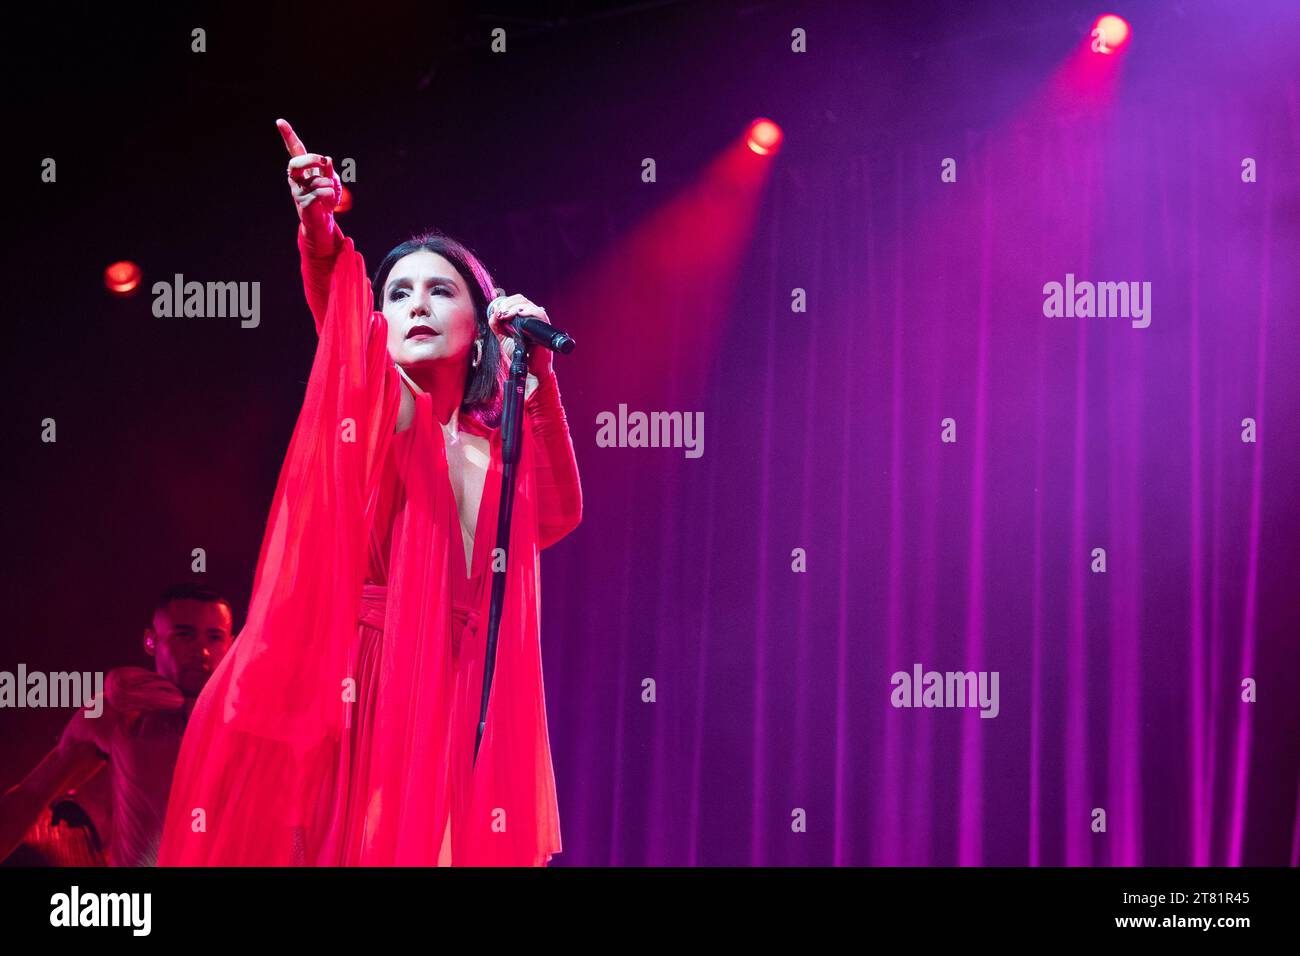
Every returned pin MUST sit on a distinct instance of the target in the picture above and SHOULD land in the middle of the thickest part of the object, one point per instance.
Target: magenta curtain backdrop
(1119, 691)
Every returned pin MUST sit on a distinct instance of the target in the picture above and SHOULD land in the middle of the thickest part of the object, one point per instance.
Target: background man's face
(190, 639)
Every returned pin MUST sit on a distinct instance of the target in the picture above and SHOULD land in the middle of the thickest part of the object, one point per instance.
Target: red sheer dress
(470, 596)
(340, 727)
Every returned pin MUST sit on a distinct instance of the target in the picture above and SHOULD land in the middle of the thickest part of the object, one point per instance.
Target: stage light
(1109, 33)
(764, 137)
(122, 278)
(345, 203)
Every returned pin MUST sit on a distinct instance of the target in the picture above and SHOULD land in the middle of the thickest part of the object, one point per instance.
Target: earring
(479, 357)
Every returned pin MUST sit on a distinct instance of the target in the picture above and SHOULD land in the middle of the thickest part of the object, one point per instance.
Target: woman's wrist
(317, 242)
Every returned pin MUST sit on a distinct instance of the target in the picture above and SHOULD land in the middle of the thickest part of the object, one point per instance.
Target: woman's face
(430, 312)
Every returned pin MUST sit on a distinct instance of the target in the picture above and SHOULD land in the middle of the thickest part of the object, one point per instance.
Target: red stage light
(764, 137)
(345, 203)
(1109, 33)
(122, 278)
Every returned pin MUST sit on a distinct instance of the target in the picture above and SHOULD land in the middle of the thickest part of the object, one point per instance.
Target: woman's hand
(539, 357)
(315, 187)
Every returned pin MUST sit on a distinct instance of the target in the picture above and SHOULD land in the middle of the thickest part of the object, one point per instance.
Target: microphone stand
(512, 420)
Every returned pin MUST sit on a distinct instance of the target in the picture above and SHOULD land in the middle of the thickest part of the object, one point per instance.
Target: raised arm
(559, 489)
(316, 191)
(317, 258)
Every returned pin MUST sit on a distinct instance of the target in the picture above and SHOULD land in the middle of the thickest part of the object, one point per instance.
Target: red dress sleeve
(317, 268)
(261, 747)
(559, 490)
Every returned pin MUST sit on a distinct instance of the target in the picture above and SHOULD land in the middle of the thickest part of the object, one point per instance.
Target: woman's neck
(446, 390)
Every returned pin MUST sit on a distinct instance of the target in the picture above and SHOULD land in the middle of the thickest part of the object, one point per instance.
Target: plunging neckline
(487, 492)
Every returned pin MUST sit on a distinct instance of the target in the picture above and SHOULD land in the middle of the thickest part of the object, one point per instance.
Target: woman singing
(340, 728)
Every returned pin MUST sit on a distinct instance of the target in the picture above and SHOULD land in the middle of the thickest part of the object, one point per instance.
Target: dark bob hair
(484, 385)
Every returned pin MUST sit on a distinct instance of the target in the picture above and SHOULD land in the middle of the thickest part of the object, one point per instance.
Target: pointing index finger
(291, 140)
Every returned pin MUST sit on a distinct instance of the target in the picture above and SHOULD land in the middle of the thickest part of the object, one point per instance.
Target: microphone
(535, 330)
